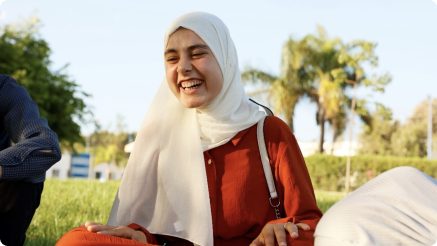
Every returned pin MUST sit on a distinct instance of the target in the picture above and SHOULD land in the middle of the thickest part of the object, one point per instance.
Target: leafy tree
(285, 90)
(327, 90)
(107, 145)
(376, 137)
(25, 56)
(385, 136)
(353, 56)
(322, 69)
(411, 138)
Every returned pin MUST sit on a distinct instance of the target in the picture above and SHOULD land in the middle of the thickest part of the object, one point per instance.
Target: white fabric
(164, 187)
(399, 207)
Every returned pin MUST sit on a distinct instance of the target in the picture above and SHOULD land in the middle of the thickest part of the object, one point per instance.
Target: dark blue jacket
(20, 122)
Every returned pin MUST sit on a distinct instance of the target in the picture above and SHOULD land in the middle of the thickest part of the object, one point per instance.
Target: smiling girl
(195, 175)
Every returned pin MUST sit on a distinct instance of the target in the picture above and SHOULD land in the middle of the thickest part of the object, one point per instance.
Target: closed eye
(198, 54)
(171, 59)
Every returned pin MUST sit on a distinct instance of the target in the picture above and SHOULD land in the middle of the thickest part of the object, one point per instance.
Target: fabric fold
(164, 188)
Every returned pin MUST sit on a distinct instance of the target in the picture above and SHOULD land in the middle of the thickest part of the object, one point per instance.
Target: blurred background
(354, 80)
(94, 67)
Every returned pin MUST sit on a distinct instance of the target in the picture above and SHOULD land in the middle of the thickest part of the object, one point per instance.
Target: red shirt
(238, 189)
(239, 196)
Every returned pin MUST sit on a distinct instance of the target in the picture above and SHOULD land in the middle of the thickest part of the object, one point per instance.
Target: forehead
(183, 38)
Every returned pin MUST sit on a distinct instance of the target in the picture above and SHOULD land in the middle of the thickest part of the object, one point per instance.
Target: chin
(189, 106)
(193, 103)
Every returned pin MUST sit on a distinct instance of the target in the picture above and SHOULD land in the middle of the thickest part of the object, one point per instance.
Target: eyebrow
(190, 48)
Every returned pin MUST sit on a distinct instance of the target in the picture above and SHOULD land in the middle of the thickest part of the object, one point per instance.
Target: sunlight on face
(192, 71)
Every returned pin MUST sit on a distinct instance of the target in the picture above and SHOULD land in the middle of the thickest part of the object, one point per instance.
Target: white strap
(265, 159)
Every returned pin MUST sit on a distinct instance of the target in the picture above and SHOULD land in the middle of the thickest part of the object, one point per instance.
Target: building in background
(107, 171)
(337, 149)
(61, 169)
(102, 171)
(80, 166)
(307, 148)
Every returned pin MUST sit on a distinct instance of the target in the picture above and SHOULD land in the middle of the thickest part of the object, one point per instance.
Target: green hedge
(327, 172)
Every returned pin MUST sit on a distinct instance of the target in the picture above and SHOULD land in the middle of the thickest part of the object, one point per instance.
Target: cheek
(171, 77)
(214, 74)
(218, 82)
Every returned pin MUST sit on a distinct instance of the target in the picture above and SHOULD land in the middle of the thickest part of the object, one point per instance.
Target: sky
(115, 48)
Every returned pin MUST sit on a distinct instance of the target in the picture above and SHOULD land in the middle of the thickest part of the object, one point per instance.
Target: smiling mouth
(191, 85)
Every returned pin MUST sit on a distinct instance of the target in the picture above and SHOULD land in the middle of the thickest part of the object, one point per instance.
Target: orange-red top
(238, 190)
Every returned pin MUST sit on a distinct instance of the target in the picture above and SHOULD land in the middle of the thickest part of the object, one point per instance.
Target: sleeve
(292, 178)
(150, 237)
(36, 146)
(157, 239)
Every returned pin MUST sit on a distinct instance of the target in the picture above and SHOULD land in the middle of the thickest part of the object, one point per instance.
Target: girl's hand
(277, 231)
(118, 231)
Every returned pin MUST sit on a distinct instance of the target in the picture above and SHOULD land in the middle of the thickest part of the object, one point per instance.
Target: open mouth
(191, 85)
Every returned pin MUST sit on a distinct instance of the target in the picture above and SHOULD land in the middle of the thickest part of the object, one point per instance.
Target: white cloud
(1, 1)
(435, 1)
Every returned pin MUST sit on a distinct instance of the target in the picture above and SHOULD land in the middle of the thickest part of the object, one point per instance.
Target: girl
(195, 174)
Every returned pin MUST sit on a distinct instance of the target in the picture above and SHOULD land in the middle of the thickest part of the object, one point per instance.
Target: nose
(184, 66)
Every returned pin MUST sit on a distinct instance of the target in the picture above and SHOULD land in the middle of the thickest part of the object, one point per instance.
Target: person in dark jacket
(23, 165)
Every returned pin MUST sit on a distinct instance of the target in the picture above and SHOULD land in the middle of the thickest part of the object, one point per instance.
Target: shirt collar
(236, 139)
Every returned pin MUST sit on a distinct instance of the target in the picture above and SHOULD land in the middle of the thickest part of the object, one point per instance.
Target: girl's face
(193, 74)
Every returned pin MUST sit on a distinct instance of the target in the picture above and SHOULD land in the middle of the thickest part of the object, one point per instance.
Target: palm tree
(322, 69)
(285, 90)
(306, 68)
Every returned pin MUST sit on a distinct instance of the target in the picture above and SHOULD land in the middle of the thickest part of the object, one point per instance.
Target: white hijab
(164, 187)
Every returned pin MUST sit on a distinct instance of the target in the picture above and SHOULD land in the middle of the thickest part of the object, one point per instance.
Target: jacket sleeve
(36, 146)
(292, 178)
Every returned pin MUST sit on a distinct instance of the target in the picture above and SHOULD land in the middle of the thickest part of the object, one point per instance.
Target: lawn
(66, 204)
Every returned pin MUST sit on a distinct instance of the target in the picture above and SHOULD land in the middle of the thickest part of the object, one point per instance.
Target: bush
(328, 172)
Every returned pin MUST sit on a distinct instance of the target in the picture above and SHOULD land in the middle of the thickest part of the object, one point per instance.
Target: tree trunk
(334, 138)
(291, 124)
(351, 129)
(322, 129)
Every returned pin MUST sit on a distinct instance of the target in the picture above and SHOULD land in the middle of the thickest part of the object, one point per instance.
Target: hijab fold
(164, 187)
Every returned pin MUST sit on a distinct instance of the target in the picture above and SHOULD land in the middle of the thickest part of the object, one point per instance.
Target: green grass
(66, 204)
(325, 199)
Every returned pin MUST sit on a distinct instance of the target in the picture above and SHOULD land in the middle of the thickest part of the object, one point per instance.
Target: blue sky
(114, 48)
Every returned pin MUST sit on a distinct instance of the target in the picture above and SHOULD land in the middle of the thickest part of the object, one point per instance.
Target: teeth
(192, 83)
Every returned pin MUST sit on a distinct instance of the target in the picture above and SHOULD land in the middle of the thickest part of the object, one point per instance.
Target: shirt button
(209, 161)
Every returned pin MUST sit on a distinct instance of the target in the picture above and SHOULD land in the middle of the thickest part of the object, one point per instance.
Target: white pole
(87, 148)
(348, 162)
(429, 150)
